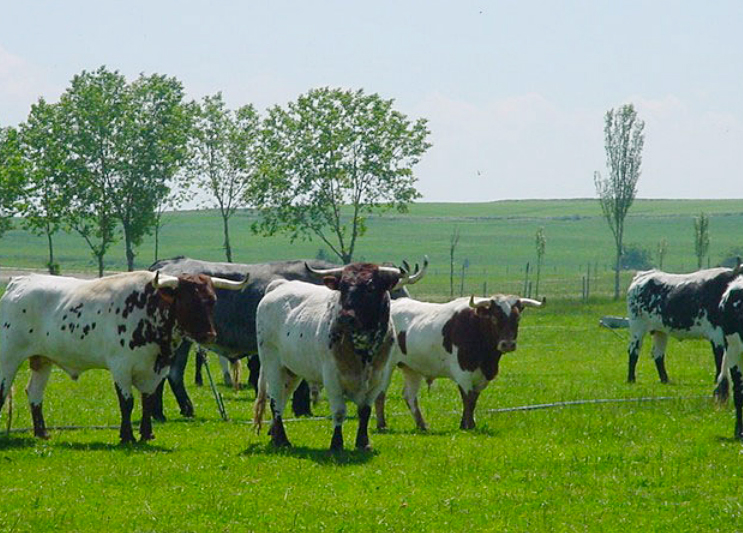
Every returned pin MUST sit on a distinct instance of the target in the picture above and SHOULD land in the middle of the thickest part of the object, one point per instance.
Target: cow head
(503, 314)
(364, 301)
(191, 298)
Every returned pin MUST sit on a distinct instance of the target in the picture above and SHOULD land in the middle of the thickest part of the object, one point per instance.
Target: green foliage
(701, 237)
(623, 142)
(635, 257)
(223, 152)
(334, 148)
(664, 466)
(12, 175)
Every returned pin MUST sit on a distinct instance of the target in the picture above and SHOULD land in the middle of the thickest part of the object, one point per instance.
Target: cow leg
(660, 341)
(362, 436)
(301, 400)
(198, 377)
(379, 411)
(410, 393)
(338, 413)
(469, 399)
(254, 368)
(176, 378)
(145, 425)
(635, 346)
(224, 364)
(157, 403)
(41, 368)
(126, 404)
(722, 389)
(280, 387)
(8, 369)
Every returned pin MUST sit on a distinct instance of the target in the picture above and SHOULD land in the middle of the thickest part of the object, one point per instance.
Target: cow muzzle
(506, 346)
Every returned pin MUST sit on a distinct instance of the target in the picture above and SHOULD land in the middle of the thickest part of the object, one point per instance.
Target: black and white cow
(731, 308)
(127, 323)
(680, 305)
(462, 340)
(340, 338)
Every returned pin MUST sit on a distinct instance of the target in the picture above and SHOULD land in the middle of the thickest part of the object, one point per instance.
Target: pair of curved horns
(525, 302)
(406, 278)
(171, 282)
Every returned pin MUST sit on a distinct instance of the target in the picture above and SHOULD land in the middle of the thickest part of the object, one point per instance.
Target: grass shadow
(17, 443)
(346, 457)
(414, 431)
(137, 447)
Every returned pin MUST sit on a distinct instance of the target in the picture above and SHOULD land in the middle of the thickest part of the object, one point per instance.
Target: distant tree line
(112, 156)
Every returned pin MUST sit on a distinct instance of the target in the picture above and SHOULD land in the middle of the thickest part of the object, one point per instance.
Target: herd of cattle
(344, 329)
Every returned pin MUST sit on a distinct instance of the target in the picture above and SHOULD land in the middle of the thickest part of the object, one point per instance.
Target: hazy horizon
(515, 93)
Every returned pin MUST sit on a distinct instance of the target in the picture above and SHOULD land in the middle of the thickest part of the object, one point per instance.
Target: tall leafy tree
(94, 108)
(47, 192)
(701, 238)
(332, 158)
(624, 139)
(154, 148)
(222, 163)
(12, 175)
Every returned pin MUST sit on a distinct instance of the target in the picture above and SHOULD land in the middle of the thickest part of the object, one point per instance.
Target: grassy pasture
(668, 465)
(497, 238)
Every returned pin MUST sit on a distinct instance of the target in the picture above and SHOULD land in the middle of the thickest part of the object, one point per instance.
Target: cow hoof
(159, 418)
(188, 413)
(281, 443)
(365, 448)
(43, 435)
(145, 438)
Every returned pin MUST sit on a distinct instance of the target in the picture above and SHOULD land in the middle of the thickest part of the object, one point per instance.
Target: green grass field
(668, 464)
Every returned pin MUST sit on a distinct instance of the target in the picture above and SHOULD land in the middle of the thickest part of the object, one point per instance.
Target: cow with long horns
(127, 323)
(340, 338)
(462, 340)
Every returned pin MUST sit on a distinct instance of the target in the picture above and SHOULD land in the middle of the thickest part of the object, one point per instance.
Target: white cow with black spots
(127, 323)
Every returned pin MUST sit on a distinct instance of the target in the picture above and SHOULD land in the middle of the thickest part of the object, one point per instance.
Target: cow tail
(724, 374)
(260, 402)
(236, 367)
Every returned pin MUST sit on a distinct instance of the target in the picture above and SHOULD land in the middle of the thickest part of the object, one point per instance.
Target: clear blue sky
(515, 92)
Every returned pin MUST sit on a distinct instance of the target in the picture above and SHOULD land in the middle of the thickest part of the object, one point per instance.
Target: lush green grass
(656, 466)
(497, 238)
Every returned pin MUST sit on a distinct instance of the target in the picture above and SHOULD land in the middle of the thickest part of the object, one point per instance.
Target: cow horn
(322, 272)
(418, 274)
(228, 284)
(528, 302)
(478, 305)
(167, 282)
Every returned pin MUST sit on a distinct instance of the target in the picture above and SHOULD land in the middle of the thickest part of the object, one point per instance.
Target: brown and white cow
(127, 323)
(462, 340)
(340, 338)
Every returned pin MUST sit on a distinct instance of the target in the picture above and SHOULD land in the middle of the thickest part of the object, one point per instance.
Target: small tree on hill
(541, 246)
(662, 252)
(701, 238)
(624, 140)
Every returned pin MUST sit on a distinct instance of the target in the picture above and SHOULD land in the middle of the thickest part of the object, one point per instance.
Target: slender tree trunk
(616, 272)
(157, 239)
(129, 251)
(227, 248)
(100, 264)
(52, 269)
(539, 271)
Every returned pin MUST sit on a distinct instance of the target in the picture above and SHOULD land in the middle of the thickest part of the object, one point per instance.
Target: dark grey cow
(680, 305)
(731, 309)
(234, 317)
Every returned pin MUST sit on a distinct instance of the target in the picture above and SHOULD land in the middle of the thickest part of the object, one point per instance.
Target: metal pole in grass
(217, 395)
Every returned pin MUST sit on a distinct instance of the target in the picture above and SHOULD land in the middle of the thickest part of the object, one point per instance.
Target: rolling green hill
(497, 239)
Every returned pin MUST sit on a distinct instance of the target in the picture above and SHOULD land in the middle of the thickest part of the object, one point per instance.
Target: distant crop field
(665, 465)
(496, 240)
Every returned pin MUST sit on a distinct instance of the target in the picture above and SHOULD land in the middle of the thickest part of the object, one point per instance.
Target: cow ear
(331, 282)
(167, 295)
